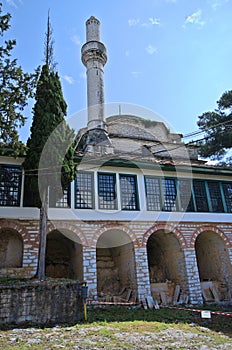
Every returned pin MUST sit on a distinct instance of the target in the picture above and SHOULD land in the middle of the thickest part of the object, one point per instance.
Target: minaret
(94, 58)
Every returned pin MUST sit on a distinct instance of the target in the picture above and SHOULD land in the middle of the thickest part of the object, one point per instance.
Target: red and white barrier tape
(220, 313)
(97, 302)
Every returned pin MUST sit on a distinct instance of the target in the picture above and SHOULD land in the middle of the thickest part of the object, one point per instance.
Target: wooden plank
(183, 299)
(156, 305)
(150, 302)
(207, 294)
(176, 294)
(215, 293)
(163, 298)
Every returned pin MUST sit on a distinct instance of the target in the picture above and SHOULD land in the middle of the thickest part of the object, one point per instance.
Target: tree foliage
(49, 162)
(217, 126)
(49, 130)
(16, 87)
(49, 46)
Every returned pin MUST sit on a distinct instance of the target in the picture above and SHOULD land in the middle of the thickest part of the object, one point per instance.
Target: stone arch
(11, 248)
(64, 254)
(63, 226)
(166, 261)
(14, 226)
(166, 228)
(213, 261)
(211, 229)
(115, 261)
(109, 227)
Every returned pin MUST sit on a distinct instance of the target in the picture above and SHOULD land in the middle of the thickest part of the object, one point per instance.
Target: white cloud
(133, 21)
(151, 49)
(76, 40)
(195, 18)
(127, 53)
(154, 21)
(69, 79)
(171, 1)
(215, 4)
(150, 22)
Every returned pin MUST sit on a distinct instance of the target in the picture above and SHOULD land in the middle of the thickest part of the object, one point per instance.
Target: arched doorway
(167, 268)
(11, 248)
(214, 267)
(64, 257)
(115, 265)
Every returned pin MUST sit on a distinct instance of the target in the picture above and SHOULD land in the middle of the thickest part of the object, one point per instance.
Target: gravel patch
(108, 337)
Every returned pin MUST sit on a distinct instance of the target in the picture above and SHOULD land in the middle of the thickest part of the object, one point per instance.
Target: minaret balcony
(94, 50)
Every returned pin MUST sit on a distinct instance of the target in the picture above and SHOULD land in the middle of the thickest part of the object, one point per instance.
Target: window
(129, 195)
(169, 194)
(10, 185)
(227, 189)
(215, 197)
(200, 196)
(152, 186)
(106, 191)
(84, 190)
(185, 195)
(63, 202)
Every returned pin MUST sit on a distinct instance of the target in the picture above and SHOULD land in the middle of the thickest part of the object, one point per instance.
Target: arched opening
(167, 268)
(116, 278)
(11, 248)
(64, 257)
(214, 267)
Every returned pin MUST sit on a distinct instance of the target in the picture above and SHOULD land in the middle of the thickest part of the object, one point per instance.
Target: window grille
(84, 191)
(129, 195)
(227, 189)
(169, 194)
(63, 202)
(185, 195)
(215, 197)
(153, 195)
(106, 191)
(10, 185)
(200, 196)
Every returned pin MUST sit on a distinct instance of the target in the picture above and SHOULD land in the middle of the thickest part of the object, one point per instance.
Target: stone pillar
(193, 280)
(142, 272)
(230, 254)
(90, 270)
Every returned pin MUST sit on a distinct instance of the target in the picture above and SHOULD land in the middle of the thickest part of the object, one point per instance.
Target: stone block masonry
(41, 303)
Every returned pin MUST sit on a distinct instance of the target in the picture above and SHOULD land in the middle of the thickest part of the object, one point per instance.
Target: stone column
(142, 272)
(193, 280)
(90, 270)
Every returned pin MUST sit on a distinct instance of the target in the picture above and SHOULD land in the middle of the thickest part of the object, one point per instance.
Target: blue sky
(170, 56)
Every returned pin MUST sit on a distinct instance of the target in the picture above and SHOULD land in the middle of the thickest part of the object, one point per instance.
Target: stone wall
(41, 303)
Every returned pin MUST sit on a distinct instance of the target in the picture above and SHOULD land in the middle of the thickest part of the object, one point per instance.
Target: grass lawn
(124, 328)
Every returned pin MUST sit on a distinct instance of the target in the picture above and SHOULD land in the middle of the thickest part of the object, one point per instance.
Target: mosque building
(144, 217)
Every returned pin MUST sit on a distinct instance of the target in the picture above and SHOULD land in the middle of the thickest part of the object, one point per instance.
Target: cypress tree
(49, 163)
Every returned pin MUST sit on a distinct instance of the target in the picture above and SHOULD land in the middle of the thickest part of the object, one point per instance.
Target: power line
(197, 132)
(33, 172)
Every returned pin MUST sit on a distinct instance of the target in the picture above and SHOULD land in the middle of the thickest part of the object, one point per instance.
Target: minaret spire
(94, 58)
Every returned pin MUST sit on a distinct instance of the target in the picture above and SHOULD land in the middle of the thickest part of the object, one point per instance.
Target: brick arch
(164, 227)
(109, 227)
(22, 231)
(214, 229)
(69, 227)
